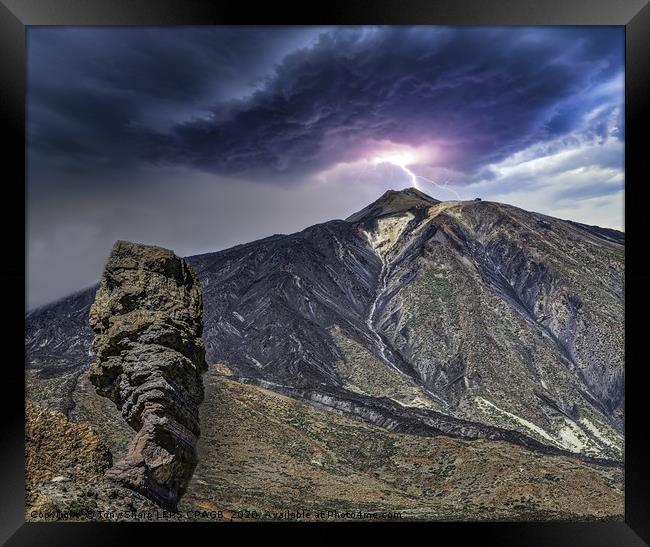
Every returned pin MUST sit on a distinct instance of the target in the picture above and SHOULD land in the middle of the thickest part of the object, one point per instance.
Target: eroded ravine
(382, 241)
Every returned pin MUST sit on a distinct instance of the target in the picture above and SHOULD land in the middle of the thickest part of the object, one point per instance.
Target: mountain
(393, 202)
(470, 318)
(58, 336)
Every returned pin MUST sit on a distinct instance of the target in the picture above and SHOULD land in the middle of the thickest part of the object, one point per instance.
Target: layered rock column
(147, 319)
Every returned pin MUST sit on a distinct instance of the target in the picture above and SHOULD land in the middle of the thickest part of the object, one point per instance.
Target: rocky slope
(147, 316)
(474, 319)
(266, 456)
(324, 462)
(57, 336)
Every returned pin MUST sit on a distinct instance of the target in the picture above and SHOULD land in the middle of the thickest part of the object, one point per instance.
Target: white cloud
(579, 177)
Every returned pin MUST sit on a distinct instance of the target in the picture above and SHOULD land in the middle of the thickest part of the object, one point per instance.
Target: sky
(201, 138)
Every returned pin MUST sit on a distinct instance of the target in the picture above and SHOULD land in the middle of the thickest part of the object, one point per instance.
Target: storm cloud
(209, 99)
(166, 135)
(478, 95)
(92, 90)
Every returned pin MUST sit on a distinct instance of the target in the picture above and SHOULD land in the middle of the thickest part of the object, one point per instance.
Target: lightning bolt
(414, 178)
(442, 186)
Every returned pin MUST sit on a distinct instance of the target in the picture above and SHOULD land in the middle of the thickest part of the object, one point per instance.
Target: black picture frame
(17, 15)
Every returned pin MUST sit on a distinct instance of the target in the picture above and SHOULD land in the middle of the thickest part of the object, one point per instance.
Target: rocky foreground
(265, 456)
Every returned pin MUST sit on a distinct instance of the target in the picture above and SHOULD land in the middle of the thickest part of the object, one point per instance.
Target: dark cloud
(117, 98)
(90, 90)
(481, 94)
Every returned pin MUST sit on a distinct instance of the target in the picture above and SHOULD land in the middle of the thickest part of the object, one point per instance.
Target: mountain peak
(394, 201)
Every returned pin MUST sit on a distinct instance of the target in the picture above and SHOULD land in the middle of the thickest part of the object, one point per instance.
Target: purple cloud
(478, 95)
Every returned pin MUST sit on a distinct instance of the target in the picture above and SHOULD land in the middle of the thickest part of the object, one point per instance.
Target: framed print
(378, 266)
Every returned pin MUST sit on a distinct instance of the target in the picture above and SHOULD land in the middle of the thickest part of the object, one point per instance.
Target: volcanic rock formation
(147, 318)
